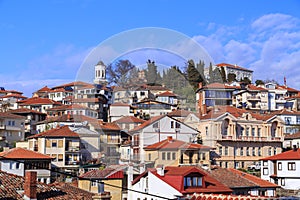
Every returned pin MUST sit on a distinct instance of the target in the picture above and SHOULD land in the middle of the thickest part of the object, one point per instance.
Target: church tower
(100, 73)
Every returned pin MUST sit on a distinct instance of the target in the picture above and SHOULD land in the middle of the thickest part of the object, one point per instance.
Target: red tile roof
(129, 120)
(26, 111)
(233, 66)
(63, 131)
(292, 136)
(256, 180)
(174, 176)
(220, 86)
(38, 101)
(175, 144)
(44, 89)
(9, 115)
(120, 104)
(17, 96)
(147, 123)
(166, 94)
(62, 191)
(107, 173)
(179, 113)
(20, 153)
(287, 155)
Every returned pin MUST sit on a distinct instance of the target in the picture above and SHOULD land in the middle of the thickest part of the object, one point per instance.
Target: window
(226, 151)
(192, 181)
(155, 125)
(220, 151)
(177, 125)
(253, 151)
(291, 166)
(168, 156)
(265, 163)
(18, 165)
(163, 156)
(48, 143)
(279, 166)
(172, 124)
(282, 182)
(242, 151)
(149, 156)
(60, 157)
(173, 156)
(270, 151)
(258, 132)
(253, 132)
(247, 151)
(259, 151)
(54, 143)
(60, 143)
(94, 183)
(247, 132)
(206, 130)
(287, 120)
(265, 171)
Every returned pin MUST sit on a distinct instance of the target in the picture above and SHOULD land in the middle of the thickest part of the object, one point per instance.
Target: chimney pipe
(30, 185)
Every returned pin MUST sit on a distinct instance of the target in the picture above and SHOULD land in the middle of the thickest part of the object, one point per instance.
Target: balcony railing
(248, 138)
(253, 98)
(72, 149)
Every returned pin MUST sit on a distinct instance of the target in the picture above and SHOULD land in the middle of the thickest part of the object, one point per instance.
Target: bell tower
(100, 73)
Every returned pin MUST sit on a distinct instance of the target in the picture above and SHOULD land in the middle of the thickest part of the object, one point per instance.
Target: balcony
(253, 98)
(248, 138)
(73, 149)
(188, 162)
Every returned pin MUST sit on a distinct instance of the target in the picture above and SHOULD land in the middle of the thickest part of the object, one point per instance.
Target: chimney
(160, 170)
(30, 185)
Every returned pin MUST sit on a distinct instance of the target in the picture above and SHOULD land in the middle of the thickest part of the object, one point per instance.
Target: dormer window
(192, 181)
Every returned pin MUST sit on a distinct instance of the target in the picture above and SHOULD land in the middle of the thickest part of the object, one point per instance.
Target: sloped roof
(147, 123)
(38, 101)
(20, 153)
(107, 173)
(288, 155)
(233, 66)
(167, 94)
(230, 178)
(120, 104)
(129, 119)
(10, 115)
(44, 89)
(63, 131)
(179, 113)
(175, 144)
(254, 179)
(174, 176)
(13, 184)
(25, 111)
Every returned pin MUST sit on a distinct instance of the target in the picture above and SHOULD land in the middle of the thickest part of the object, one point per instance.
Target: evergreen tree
(216, 76)
(231, 77)
(152, 75)
(193, 75)
(210, 72)
(223, 75)
(200, 68)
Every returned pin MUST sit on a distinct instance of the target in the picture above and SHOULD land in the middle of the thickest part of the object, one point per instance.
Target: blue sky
(46, 42)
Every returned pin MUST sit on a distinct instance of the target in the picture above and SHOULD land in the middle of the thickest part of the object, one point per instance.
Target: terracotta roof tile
(57, 191)
(26, 111)
(147, 123)
(166, 94)
(9, 115)
(287, 155)
(233, 66)
(63, 131)
(179, 113)
(256, 180)
(44, 89)
(175, 144)
(38, 101)
(107, 173)
(20, 153)
(129, 119)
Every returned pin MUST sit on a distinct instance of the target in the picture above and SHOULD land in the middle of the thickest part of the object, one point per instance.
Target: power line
(96, 181)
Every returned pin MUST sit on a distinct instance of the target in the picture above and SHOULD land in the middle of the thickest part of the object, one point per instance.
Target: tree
(118, 72)
(210, 71)
(231, 77)
(193, 75)
(216, 76)
(223, 74)
(259, 82)
(246, 80)
(152, 75)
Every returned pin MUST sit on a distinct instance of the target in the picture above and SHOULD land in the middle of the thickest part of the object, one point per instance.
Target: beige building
(240, 137)
(172, 152)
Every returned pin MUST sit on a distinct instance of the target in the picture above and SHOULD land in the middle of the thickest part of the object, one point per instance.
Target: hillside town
(231, 137)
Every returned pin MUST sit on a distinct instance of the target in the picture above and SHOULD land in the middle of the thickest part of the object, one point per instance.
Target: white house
(17, 160)
(283, 169)
(174, 182)
(158, 129)
(119, 110)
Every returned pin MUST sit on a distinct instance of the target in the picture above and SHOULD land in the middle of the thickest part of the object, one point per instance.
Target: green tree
(193, 75)
(246, 80)
(231, 77)
(223, 75)
(210, 71)
(216, 76)
(259, 82)
(152, 75)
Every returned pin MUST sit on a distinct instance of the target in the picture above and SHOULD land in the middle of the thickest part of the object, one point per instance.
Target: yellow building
(172, 152)
(108, 180)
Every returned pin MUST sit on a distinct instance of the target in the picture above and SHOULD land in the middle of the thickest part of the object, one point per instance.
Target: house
(11, 129)
(119, 110)
(60, 143)
(128, 123)
(251, 97)
(291, 120)
(156, 130)
(240, 136)
(167, 97)
(174, 182)
(43, 92)
(90, 181)
(172, 152)
(31, 118)
(19, 187)
(291, 141)
(243, 183)
(38, 104)
(9, 99)
(131, 94)
(240, 72)
(18, 160)
(75, 109)
(283, 169)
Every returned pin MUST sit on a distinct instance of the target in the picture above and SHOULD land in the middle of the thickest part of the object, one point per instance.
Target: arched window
(225, 124)
(273, 129)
